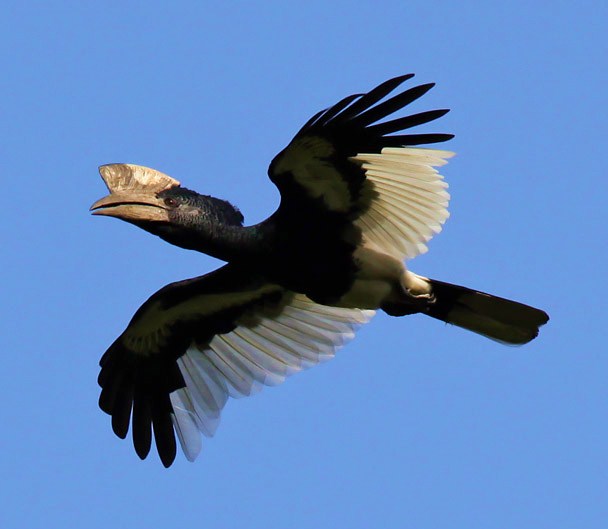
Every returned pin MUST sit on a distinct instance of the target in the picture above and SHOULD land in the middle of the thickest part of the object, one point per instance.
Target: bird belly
(366, 294)
(379, 278)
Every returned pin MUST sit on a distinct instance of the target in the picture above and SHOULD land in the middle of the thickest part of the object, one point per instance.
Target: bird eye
(171, 202)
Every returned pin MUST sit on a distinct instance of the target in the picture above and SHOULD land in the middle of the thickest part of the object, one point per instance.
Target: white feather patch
(240, 362)
(411, 202)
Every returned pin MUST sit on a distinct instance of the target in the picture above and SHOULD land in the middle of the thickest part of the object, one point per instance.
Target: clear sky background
(413, 424)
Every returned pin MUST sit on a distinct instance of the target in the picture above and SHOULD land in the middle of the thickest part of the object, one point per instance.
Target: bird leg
(416, 288)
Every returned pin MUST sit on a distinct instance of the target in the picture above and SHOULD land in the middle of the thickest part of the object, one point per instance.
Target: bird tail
(496, 318)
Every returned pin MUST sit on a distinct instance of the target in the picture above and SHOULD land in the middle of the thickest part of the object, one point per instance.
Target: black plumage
(357, 199)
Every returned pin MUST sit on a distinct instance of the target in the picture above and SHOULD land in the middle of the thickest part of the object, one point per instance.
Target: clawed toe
(426, 298)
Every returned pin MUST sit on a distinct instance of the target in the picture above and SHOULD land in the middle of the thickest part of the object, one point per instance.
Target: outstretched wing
(346, 160)
(196, 342)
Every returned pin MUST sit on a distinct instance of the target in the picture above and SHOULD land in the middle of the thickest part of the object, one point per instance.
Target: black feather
(407, 122)
(142, 421)
(391, 105)
(121, 411)
(164, 437)
(311, 121)
(373, 96)
(330, 113)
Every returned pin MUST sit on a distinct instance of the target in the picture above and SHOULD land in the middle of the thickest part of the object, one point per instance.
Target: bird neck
(226, 242)
(230, 243)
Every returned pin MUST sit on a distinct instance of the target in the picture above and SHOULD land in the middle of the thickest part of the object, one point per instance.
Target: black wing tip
(119, 426)
(164, 437)
(407, 140)
(321, 118)
(137, 395)
(365, 109)
(422, 89)
(378, 103)
(546, 318)
(142, 451)
(399, 79)
(400, 124)
(373, 113)
(393, 82)
(167, 458)
(142, 424)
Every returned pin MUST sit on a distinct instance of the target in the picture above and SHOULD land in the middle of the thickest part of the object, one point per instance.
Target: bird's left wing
(196, 342)
(346, 160)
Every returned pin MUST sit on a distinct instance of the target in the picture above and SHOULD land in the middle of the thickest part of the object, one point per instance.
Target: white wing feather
(240, 362)
(411, 202)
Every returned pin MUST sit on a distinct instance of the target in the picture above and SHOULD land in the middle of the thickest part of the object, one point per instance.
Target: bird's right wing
(196, 342)
(348, 162)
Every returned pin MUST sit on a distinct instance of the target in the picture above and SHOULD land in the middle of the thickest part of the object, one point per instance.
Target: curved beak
(135, 205)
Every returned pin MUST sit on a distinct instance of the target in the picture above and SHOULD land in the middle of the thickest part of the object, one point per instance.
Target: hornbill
(357, 200)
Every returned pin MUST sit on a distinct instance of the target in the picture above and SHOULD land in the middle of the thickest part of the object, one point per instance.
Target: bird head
(158, 204)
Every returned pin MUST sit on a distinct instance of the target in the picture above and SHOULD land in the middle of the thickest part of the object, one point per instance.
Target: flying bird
(358, 199)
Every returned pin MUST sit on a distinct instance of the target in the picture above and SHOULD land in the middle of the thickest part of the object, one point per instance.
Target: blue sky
(414, 424)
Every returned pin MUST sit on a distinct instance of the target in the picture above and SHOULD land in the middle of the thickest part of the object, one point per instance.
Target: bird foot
(423, 299)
